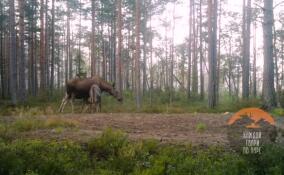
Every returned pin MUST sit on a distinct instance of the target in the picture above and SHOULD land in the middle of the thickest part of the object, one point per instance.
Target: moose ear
(113, 84)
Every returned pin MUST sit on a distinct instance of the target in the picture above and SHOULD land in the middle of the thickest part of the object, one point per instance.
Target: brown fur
(79, 88)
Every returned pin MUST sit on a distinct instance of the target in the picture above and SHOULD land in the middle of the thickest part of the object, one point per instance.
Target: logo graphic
(249, 129)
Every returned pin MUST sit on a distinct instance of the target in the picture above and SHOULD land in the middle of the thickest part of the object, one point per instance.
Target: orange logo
(255, 117)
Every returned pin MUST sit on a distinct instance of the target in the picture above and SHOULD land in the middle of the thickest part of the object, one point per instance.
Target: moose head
(116, 93)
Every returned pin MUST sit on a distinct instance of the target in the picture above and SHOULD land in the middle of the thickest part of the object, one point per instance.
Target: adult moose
(79, 88)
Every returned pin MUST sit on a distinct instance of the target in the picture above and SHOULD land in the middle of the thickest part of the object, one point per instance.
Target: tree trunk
(254, 91)
(52, 49)
(22, 78)
(212, 27)
(172, 57)
(189, 50)
(69, 55)
(137, 54)
(201, 53)
(151, 56)
(118, 48)
(42, 48)
(47, 46)
(12, 49)
(268, 66)
(93, 40)
(219, 51)
(246, 48)
(194, 50)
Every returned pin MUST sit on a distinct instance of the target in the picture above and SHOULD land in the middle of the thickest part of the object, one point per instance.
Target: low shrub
(113, 153)
(200, 127)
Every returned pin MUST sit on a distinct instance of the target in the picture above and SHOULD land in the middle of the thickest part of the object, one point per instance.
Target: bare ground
(177, 128)
(167, 128)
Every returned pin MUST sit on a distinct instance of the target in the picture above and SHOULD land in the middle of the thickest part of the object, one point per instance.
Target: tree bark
(246, 48)
(137, 54)
(42, 48)
(201, 53)
(93, 40)
(22, 78)
(119, 47)
(52, 48)
(189, 50)
(194, 50)
(12, 50)
(268, 66)
(212, 27)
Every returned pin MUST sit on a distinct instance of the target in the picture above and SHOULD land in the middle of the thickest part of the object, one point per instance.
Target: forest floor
(197, 128)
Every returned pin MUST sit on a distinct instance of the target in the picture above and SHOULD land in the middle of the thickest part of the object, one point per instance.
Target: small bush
(278, 112)
(55, 122)
(37, 157)
(200, 127)
(112, 153)
(27, 124)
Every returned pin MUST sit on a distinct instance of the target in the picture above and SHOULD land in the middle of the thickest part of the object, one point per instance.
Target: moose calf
(95, 98)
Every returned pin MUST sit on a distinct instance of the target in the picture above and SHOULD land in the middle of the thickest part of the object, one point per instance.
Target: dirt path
(177, 128)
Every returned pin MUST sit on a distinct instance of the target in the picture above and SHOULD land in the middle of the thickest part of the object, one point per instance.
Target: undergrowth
(44, 105)
(113, 153)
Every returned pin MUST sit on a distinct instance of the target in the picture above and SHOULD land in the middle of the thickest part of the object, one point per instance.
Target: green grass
(114, 153)
(200, 127)
(24, 123)
(278, 112)
(45, 105)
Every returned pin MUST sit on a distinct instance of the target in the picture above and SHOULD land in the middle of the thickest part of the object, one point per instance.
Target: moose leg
(63, 103)
(71, 101)
(85, 108)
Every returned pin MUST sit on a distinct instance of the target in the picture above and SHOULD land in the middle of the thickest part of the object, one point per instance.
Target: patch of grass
(278, 112)
(27, 124)
(48, 105)
(23, 124)
(200, 127)
(114, 153)
(55, 122)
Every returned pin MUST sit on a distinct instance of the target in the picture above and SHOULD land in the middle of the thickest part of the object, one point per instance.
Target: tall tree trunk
(52, 48)
(47, 46)
(194, 50)
(42, 48)
(1, 55)
(189, 50)
(268, 66)
(212, 27)
(119, 46)
(69, 55)
(219, 51)
(201, 53)
(278, 88)
(151, 55)
(254, 91)
(172, 56)
(93, 40)
(137, 54)
(246, 48)
(22, 75)
(12, 49)
(144, 33)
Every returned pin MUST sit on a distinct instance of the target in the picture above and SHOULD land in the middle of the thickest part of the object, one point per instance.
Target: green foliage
(48, 105)
(38, 157)
(270, 161)
(281, 98)
(200, 127)
(113, 153)
(278, 111)
(59, 122)
(27, 124)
